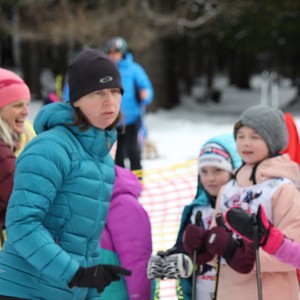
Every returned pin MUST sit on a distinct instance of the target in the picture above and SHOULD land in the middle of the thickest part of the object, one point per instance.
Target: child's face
(213, 179)
(251, 146)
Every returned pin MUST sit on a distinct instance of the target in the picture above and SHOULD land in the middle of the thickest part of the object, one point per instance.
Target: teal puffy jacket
(56, 213)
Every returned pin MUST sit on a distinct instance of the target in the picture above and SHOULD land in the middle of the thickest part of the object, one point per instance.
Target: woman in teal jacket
(62, 187)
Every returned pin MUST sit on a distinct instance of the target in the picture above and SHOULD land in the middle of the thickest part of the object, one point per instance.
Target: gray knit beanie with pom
(269, 123)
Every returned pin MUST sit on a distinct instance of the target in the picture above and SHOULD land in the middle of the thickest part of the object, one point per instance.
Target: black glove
(244, 223)
(99, 276)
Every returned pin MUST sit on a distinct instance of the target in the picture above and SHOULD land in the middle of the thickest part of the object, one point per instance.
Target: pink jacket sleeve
(289, 252)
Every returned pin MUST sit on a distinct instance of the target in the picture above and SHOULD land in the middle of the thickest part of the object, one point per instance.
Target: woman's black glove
(99, 276)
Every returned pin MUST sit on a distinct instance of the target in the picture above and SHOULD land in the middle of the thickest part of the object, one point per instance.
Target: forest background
(177, 41)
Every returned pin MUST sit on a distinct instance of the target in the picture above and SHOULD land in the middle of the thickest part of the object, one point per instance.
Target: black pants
(128, 147)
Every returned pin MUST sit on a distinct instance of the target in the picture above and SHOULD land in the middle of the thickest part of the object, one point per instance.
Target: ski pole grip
(198, 218)
(220, 220)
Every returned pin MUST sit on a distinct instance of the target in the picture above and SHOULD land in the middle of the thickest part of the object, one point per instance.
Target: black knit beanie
(90, 71)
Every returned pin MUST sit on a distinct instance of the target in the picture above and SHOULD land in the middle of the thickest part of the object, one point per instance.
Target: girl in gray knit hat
(269, 179)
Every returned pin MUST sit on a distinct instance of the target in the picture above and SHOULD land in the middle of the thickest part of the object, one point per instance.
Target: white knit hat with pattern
(214, 155)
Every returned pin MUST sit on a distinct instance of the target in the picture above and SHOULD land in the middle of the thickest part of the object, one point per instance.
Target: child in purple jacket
(270, 238)
(126, 239)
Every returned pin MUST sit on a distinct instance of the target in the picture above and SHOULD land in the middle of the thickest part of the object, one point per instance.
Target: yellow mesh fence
(165, 192)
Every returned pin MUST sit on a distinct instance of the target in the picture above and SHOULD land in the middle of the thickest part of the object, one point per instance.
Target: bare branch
(159, 19)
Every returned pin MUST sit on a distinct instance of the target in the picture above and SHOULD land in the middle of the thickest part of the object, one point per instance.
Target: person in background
(66, 93)
(51, 97)
(126, 239)
(14, 108)
(62, 187)
(138, 93)
(217, 162)
(48, 87)
(265, 178)
(293, 147)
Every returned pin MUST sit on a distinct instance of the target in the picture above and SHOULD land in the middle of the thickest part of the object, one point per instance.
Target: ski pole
(220, 223)
(198, 221)
(257, 260)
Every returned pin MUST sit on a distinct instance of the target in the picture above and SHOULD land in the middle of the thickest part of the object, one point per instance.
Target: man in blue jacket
(138, 93)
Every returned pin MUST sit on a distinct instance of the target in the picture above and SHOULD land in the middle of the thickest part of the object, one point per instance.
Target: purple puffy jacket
(127, 233)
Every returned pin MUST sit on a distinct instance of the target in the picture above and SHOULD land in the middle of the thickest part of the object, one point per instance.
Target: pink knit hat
(12, 88)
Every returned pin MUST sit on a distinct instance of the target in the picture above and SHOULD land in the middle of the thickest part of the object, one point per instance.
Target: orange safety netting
(166, 191)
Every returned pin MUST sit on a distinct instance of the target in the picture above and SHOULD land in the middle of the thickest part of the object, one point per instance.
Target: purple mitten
(243, 258)
(220, 242)
(238, 254)
(194, 239)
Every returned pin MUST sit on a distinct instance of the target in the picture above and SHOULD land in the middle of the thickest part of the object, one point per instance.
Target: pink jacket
(279, 280)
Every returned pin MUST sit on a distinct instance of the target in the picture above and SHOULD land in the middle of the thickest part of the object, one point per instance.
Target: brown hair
(237, 126)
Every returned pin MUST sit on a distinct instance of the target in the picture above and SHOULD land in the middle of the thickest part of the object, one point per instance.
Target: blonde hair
(7, 135)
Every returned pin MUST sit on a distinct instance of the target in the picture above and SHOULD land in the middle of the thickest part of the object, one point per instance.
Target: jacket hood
(126, 183)
(95, 141)
(293, 140)
(278, 166)
(126, 60)
(52, 115)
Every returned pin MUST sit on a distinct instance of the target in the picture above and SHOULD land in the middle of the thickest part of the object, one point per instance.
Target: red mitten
(194, 239)
(274, 240)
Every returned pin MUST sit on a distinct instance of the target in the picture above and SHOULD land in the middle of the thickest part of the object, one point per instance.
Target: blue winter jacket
(184, 288)
(62, 187)
(134, 78)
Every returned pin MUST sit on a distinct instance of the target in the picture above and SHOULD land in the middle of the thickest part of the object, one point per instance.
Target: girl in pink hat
(14, 108)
